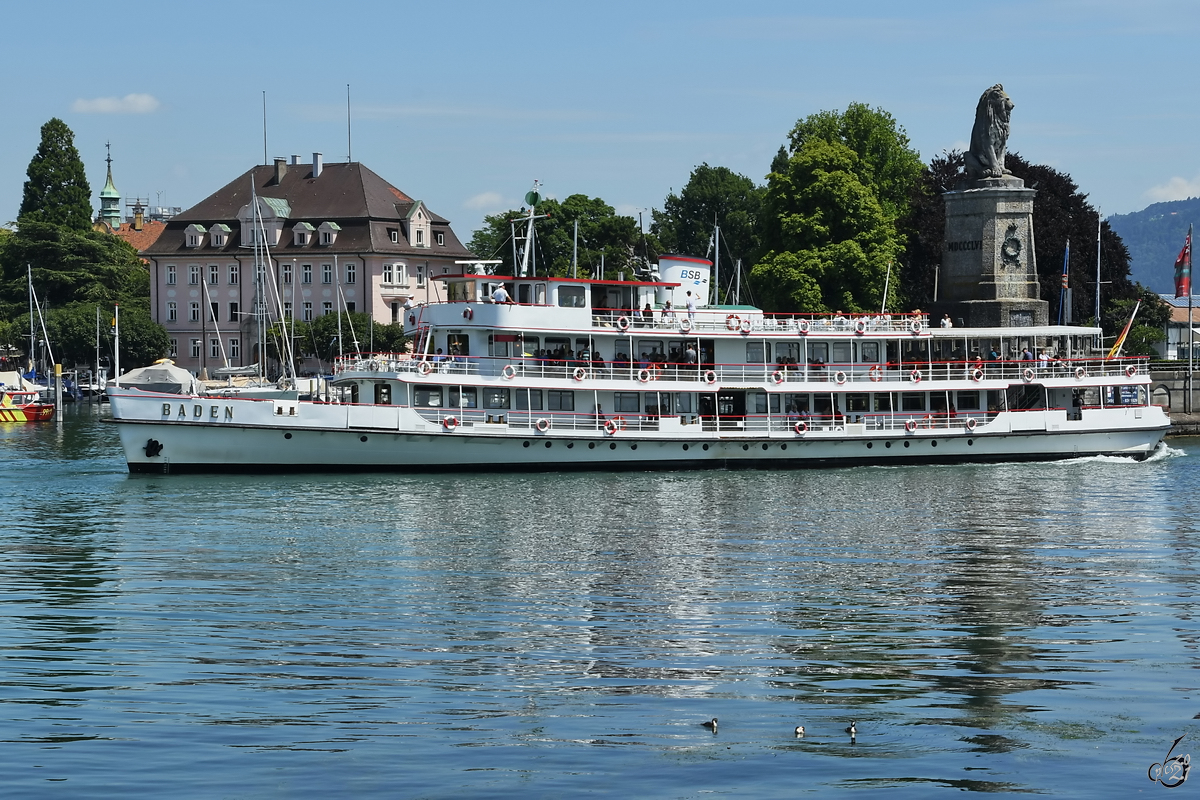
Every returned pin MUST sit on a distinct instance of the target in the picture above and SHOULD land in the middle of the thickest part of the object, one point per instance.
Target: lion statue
(989, 137)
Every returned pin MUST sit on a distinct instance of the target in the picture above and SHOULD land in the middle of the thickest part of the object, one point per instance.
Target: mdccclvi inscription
(956, 247)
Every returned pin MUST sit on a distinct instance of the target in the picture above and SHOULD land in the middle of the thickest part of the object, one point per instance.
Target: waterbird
(711, 724)
(799, 730)
(853, 731)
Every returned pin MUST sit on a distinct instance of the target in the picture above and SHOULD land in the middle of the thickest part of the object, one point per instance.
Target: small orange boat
(23, 406)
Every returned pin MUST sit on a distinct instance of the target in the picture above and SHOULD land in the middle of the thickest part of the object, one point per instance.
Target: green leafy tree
(829, 240)
(56, 189)
(319, 338)
(712, 195)
(72, 332)
(601, 230)
(1149, 327)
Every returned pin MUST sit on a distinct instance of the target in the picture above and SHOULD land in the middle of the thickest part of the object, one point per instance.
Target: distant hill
(1154, 237)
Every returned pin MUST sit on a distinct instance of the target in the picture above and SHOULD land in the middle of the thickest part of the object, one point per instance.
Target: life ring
(733, 321)
(777, 377)
(1130, 371)
(644, 375)
(915, 376)
(424, 368)
(910, 425)
(802, 326)
(875, 373)
(710, 377)
(860, 326)
(579, 374)
(839, 377)
(915, 326)
(800, 428)
(613, 425)
(746, 326)
(977, 374)
(623, 323)
(1080, 373)
(509, 372)
(450, 423)
(468, 313)
(928, 420)
(971, 423)
(1028, 374)
(685, 324)
(542, 425)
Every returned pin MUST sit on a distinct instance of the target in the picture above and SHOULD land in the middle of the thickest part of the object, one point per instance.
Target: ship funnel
(690, 273)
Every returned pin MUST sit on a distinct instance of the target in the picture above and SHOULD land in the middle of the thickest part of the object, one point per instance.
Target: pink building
(338, 236)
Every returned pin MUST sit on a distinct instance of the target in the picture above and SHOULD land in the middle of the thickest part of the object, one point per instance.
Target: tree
(886, 162)
(319, 338)
(1149, 327)
(712, 195)
(925, 228)
(56, 189)
(601, 230)
(829, 240)
(72, 332)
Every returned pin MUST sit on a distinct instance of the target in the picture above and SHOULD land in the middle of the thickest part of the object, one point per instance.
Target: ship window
(571, 296)
(621, 348)
(758, 352)
(523, 293)
(842, 353)
(764, 401)
(650, 346)
(883, 402)
(818, 353)
(858, 401)
(625, 402)
(658, 404)
(557, 347)
(683, 403)
(968, 401)
(529, 346)
(383, 394)
(499, 348)
(539, 294)
(495, 398)
(560, 400)
(466, 398)
(529, 399)
(787, 353)
(459, 344)
(995, 400)
(870, 352)
(912, 401)
(796, 403)
(427, 397)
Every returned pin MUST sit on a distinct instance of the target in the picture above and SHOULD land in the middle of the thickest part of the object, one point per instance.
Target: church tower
(110, 198)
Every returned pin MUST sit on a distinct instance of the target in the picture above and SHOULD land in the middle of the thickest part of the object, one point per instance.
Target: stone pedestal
(988, 276)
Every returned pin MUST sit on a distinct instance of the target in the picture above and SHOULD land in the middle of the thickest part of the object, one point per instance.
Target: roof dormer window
(218, 234)
(195, 235)
(302, 234)
(328, 232)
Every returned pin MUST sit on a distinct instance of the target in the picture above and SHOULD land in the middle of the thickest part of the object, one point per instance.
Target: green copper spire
(110, 198)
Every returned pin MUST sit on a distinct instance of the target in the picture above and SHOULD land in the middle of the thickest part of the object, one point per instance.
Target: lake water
(1003, 629)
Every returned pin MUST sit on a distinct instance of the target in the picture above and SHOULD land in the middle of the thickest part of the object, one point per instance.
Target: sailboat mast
(32, 335)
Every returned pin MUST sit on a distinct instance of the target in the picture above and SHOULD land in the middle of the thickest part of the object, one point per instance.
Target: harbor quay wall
(1169, 388)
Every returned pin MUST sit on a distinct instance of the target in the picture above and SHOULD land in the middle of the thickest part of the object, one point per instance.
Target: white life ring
(915, 326)
(579, 374)
(643, 375)
(802, 326)
(839, 377)
(424, 368)
(860, 326)
(613, 425)
(710, 377)
(746, 326)
(915, 376)
(875, 373)
(777, 377)
(509, 372)
(971, 423)
(1028, 374)
(468, 313)
(800, 428)
(1130, 371)
(450, 423)
(733, 321)
(623, 323)
(542, 425)
(1080, 373)
(977, 374)
(910, 425)
(685, 324)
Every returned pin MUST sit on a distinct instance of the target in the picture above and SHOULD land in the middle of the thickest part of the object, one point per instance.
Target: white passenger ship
(578, 374)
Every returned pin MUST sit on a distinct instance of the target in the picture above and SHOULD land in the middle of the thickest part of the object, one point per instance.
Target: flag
(1062, 295)
(1183, 268)
(1116, 348)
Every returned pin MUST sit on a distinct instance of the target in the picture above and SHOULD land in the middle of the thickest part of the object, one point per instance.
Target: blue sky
(464, 104)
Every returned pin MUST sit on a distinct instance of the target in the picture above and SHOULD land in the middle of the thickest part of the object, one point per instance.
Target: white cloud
(485, 201)
(1175, 189)
(129, 104)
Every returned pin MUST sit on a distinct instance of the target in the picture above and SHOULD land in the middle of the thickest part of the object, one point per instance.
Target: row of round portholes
(907, 443)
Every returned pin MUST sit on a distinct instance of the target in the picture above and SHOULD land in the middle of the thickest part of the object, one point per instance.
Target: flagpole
(1191, 335)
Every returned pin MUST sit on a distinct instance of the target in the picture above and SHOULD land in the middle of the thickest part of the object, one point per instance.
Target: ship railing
(727, 320)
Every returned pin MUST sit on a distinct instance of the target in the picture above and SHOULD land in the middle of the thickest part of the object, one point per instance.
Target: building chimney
(295, 160)
(139, 217)
(317, 165)
(280, 170)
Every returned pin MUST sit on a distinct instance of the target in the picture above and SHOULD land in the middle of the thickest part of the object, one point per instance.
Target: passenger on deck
(946, 321)
(1027, 354)
(668, 313)
(691, 307)
(501, 295)
(648, 315)
(689, 356)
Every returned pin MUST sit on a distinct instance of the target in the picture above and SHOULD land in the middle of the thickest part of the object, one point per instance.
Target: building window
(174, 349)
(349, 308)
(326, 237)
(441, 239)
(214, 274)
(287, 310)
(170, 274)
(350, 273)
(233, 313)
(235, 348)
(306, 273)
(326, 308)
(327, 273)
(394, 235)
(172, 311)
(420, 237)
(194, 275)
(195, 348)
(193, 240)
(395, 313)
(212, 312)
(402, 275)
(287, 273)
(214, 348)
(233, 274)
(421, 275)
(308, 312)
(388, 274)
(193, 312)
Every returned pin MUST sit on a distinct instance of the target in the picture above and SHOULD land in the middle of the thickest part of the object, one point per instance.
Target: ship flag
(1183, 268)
